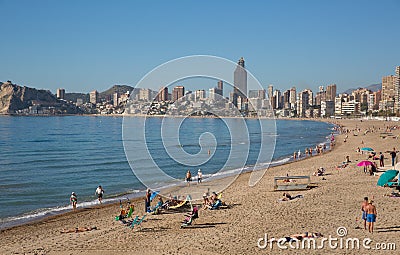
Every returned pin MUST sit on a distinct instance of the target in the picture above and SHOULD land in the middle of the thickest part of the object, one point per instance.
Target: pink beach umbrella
(364, 163)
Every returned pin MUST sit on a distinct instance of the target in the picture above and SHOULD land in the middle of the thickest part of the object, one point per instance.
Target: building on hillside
(61, 93)
(178, 92)
(94, 97)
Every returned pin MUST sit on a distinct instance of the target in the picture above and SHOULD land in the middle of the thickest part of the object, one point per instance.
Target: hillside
(14, 97)
(372, 87)
(120, 89)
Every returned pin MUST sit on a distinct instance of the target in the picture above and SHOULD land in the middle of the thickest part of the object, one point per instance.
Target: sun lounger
(138, 222)
(285, 183)
(188, 199)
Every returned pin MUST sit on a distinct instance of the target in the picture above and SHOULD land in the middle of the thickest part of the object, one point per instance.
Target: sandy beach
(333, 202)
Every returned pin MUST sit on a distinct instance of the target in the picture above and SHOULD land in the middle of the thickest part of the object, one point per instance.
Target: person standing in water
(99, 193)
(199, 176)
(73, 199)
(188, 177)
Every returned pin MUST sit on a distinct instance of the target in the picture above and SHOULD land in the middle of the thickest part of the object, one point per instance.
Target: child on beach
(73, 199)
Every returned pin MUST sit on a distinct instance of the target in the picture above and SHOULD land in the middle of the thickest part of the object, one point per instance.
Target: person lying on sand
(319, 172)
(80, 229)
(287, 197)
(299, 237)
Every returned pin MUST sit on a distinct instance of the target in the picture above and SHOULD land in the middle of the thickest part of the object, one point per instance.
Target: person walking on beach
(147, 200)
(371, 215)
(199, 176)
(393, 154)
(99, 192)
(381, 160)
(188, 177)
(364, 211)
(73, 199)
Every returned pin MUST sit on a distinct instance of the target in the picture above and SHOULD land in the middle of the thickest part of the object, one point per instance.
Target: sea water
(44, 159)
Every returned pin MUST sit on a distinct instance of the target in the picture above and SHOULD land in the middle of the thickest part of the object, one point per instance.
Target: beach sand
(254, 212)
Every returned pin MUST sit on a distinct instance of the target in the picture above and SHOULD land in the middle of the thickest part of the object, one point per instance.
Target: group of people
(369, 214)
(212, 201)
(74, 198)
(319, 149)
(188, 177)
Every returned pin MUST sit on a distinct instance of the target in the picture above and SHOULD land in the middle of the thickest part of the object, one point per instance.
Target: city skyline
(82, 46)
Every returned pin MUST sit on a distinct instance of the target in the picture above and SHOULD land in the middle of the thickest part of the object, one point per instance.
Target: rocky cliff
(14, 97)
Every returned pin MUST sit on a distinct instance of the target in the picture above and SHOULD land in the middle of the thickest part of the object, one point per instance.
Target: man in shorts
(99, 193)
(371, 215)
(364, 211)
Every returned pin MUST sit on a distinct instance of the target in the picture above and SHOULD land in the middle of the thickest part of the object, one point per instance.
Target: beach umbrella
(364, 163)
(367, 149)
(387, 177)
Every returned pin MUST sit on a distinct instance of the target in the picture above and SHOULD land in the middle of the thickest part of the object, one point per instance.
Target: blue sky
(86, 45)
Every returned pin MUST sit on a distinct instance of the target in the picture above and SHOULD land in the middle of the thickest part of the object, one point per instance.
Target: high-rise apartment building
(397, 89)
(277, 99)
(286, 99)
(270, 91)
(292, 99)
(163, 94)
(144, 94)
(388, 91)
(261, 94)
(60, 93)
(178, 92)
(330, 92)
(240, 80)
(94, 97)
(220, 86)
(199, 95)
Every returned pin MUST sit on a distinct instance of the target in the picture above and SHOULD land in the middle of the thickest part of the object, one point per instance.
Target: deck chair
(188, 199)
(134, 222)
(138, 222)
(189, 218)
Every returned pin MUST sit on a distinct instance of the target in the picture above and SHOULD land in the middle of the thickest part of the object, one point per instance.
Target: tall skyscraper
(240, 80)
(115, 99)
(330, 92)
(388, 90)
(397, 89)
(277, 99)
(94, 97)
(60, 93)
(292, 99)
(178, 92)
(261, 94)
(220, 86)
(270, 91)
(163, 94)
